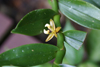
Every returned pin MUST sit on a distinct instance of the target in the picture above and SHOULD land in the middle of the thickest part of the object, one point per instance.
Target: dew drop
(32, 50)
(70, 8)
(40, 31)
(22, 50)
(93, 21)
(16, 54)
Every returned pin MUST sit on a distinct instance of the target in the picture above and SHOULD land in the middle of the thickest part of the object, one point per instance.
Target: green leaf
(73, 56)
(29, 55)
(65, 65)
(81, 12)
(34, 22)
(93, 45)
(68, 26)
(75, 38)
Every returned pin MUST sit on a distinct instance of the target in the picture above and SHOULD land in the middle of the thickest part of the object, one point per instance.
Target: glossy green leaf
(75, 38)
(73, 56)
(93, 45)
(81, 12)
(68, 26)
(34, 22)
(28, 55)
(65, 65)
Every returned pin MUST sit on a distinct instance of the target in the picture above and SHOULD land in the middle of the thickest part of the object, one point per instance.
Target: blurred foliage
(74, 57)
(88, 64)
(93, 45)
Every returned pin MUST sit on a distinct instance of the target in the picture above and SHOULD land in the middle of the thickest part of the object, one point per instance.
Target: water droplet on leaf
(22, 50)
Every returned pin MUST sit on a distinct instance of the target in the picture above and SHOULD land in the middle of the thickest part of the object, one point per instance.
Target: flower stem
(60, 54)
(60, 38)
(56, 9)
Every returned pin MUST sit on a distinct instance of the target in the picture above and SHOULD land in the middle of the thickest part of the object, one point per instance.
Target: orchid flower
(52, 31)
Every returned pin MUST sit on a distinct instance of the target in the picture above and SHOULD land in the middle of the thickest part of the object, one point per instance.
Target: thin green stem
(60, 54)
(60, 38)
(56, 9)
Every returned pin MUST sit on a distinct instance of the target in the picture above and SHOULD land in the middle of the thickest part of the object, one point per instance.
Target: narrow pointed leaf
(75, 38)
(81, 12)
(34, 22)
(28, 55)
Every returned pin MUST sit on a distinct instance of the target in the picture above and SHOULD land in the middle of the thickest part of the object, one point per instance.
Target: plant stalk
(56, 9)
(60, 38)
(60, 54)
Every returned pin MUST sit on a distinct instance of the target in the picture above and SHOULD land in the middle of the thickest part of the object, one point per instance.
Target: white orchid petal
(52, 24)
(47, 25)
(46, 31)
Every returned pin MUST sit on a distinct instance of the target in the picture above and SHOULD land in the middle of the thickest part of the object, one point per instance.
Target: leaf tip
(12, 31)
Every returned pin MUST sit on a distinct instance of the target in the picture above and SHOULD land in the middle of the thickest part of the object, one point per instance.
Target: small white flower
(53, 30)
